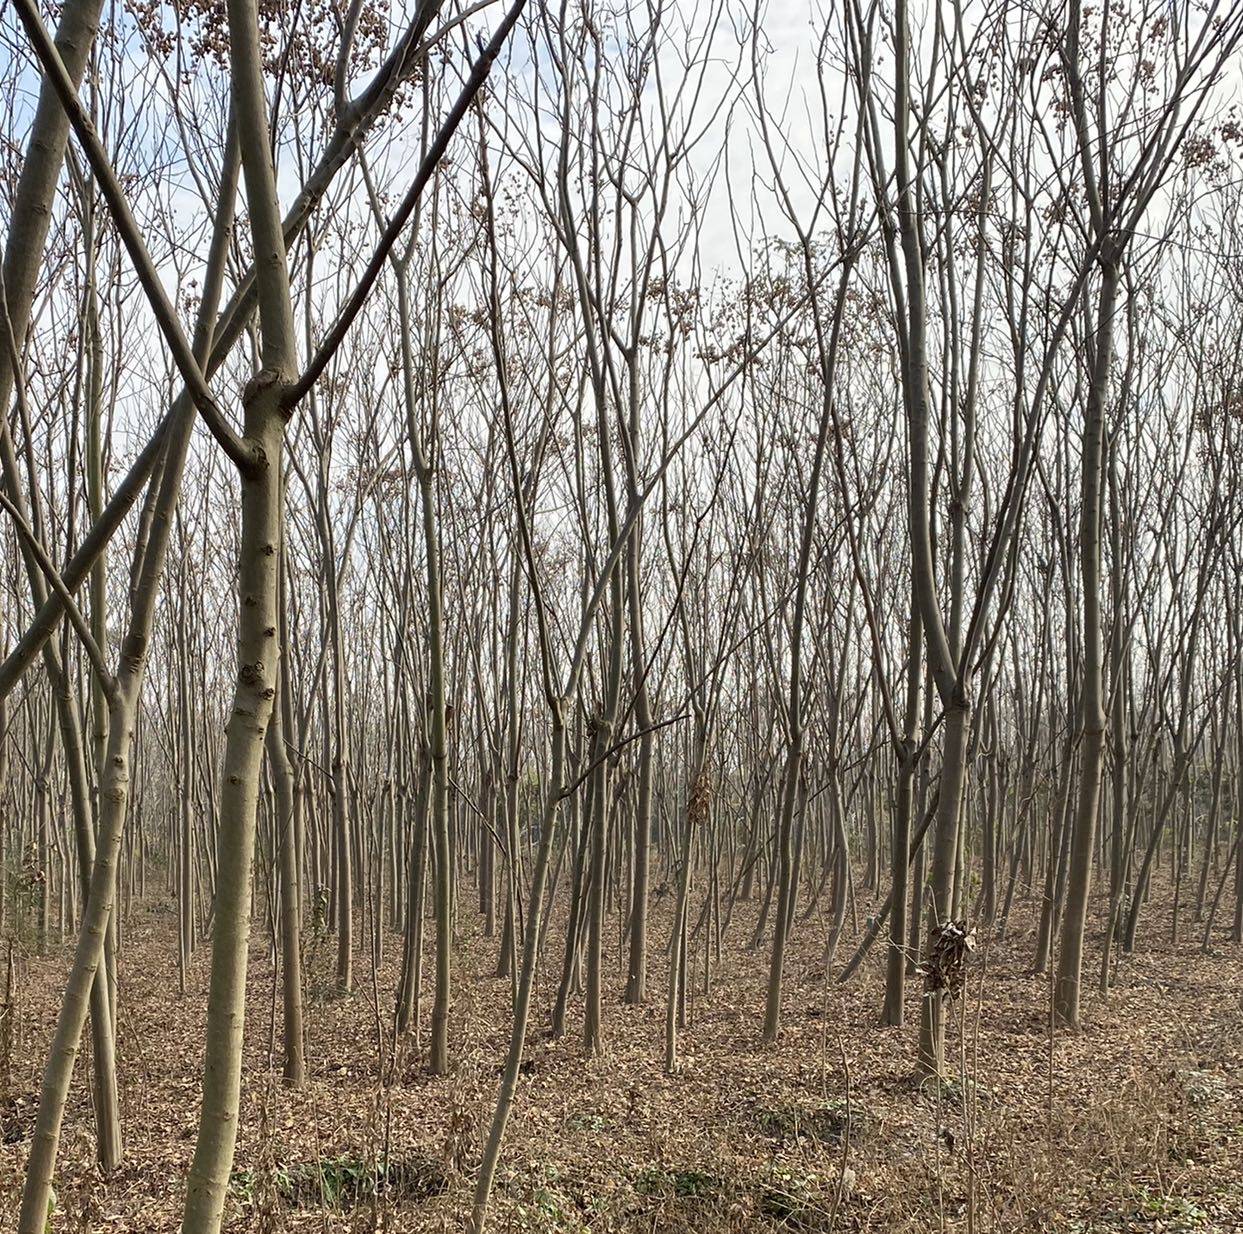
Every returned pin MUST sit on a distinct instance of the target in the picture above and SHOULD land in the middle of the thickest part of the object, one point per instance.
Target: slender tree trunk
(410, 986)
(593, 1025)
(1092, 714)
(438, 733)
(257, 651)
(526, 982)
(286, 834)
(1121, 771)
(786, 888)
(893, 1012)
(931, 1058)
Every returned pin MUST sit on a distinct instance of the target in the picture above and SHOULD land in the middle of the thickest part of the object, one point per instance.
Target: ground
(1134, 1123)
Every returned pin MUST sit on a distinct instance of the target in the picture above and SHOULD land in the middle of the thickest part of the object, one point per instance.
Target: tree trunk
(1092, 715)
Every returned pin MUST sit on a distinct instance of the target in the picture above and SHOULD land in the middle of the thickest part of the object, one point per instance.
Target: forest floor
(1134, 1123)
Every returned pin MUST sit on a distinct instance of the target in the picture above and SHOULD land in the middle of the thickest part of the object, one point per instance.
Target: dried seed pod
(949, 953)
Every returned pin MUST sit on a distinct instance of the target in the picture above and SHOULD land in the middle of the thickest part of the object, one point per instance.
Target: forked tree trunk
(258, 644)
(30, 216)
